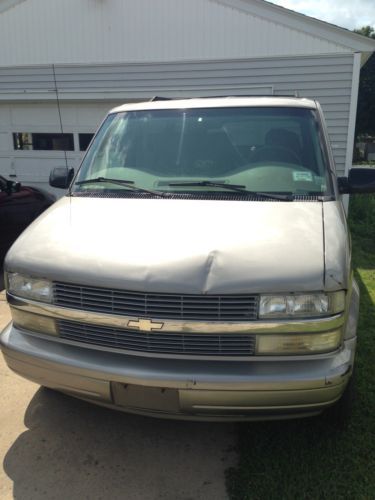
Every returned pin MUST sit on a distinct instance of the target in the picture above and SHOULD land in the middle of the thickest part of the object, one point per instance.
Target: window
(84, 141)
(43, 142)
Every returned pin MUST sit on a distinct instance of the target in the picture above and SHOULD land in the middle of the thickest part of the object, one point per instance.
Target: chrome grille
(157, 305)
(157, 342)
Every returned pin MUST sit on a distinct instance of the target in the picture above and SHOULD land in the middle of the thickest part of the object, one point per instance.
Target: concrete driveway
(56, 447)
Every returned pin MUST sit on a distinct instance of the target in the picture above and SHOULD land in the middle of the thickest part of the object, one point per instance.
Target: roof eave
(8, 4)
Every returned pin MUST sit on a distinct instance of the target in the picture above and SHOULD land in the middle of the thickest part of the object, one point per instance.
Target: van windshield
(276, 150)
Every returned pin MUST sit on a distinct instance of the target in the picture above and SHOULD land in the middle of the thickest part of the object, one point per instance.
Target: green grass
(308, 459)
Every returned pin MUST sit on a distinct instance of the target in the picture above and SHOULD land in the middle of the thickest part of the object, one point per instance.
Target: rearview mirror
(61, 177)
(359, 180)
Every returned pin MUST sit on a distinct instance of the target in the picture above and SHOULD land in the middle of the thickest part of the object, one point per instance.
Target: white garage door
(31, 142)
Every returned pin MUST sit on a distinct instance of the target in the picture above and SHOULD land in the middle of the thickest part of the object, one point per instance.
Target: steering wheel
(274, 153)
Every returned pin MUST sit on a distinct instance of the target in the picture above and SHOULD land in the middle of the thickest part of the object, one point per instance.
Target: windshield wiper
(233, 187)
(104, 179)
(120, 182)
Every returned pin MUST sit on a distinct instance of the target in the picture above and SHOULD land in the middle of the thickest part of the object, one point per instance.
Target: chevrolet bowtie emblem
(146, 325)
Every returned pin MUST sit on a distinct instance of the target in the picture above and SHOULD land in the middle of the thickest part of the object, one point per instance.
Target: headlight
(29, 288)
(307, 305)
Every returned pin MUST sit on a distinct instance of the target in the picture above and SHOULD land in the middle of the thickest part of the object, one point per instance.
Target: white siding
(102, 31)
(327, 79)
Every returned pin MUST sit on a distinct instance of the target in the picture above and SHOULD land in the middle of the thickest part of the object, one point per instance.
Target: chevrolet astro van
(199, 266)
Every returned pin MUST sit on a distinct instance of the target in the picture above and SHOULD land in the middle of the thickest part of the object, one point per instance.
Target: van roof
(218, 102)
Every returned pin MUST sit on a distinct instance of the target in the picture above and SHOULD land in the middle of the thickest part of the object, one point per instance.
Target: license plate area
(145, 398)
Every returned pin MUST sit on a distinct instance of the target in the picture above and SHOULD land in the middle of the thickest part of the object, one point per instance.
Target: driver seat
(281, 145)
(282, 138)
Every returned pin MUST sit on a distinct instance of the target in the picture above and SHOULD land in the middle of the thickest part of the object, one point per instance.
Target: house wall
(102, 31)
(28, 97)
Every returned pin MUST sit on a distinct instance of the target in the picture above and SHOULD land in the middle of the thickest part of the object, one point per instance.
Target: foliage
(366, 31)
(366, 95)
(362, 221)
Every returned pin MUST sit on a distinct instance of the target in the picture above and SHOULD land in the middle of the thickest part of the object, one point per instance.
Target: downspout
(352, 120)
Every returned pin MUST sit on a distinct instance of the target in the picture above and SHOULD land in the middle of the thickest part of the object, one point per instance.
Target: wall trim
(352, 111)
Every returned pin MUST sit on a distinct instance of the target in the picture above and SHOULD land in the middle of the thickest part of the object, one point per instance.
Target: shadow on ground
(76, 450)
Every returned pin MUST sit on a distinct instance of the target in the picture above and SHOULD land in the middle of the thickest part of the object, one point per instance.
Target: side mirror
(61, 177)
(360, 180)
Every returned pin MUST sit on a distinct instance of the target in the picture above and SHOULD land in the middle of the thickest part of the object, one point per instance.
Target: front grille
(157, 342)
(157, 305)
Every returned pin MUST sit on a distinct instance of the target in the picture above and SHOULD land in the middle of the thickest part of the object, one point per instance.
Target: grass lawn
(307, 459)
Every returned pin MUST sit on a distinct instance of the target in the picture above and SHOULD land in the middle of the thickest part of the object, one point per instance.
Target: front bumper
(262, 388)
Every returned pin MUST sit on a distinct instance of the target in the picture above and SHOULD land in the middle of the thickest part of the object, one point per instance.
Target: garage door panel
(37, 169)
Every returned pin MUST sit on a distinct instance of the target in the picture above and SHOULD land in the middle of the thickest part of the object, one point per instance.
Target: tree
(366, 31)
(365, 123)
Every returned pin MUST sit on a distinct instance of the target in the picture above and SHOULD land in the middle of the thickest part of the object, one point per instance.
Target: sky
(349, 14)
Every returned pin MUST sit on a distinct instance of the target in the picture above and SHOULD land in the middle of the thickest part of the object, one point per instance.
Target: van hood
(176, 246)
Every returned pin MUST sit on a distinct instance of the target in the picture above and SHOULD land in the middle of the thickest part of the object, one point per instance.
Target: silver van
(199, 266)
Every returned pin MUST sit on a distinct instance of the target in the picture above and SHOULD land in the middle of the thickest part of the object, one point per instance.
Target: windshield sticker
(302, 176)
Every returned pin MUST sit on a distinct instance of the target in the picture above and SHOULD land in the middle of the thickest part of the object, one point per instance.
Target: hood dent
(209, 269)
